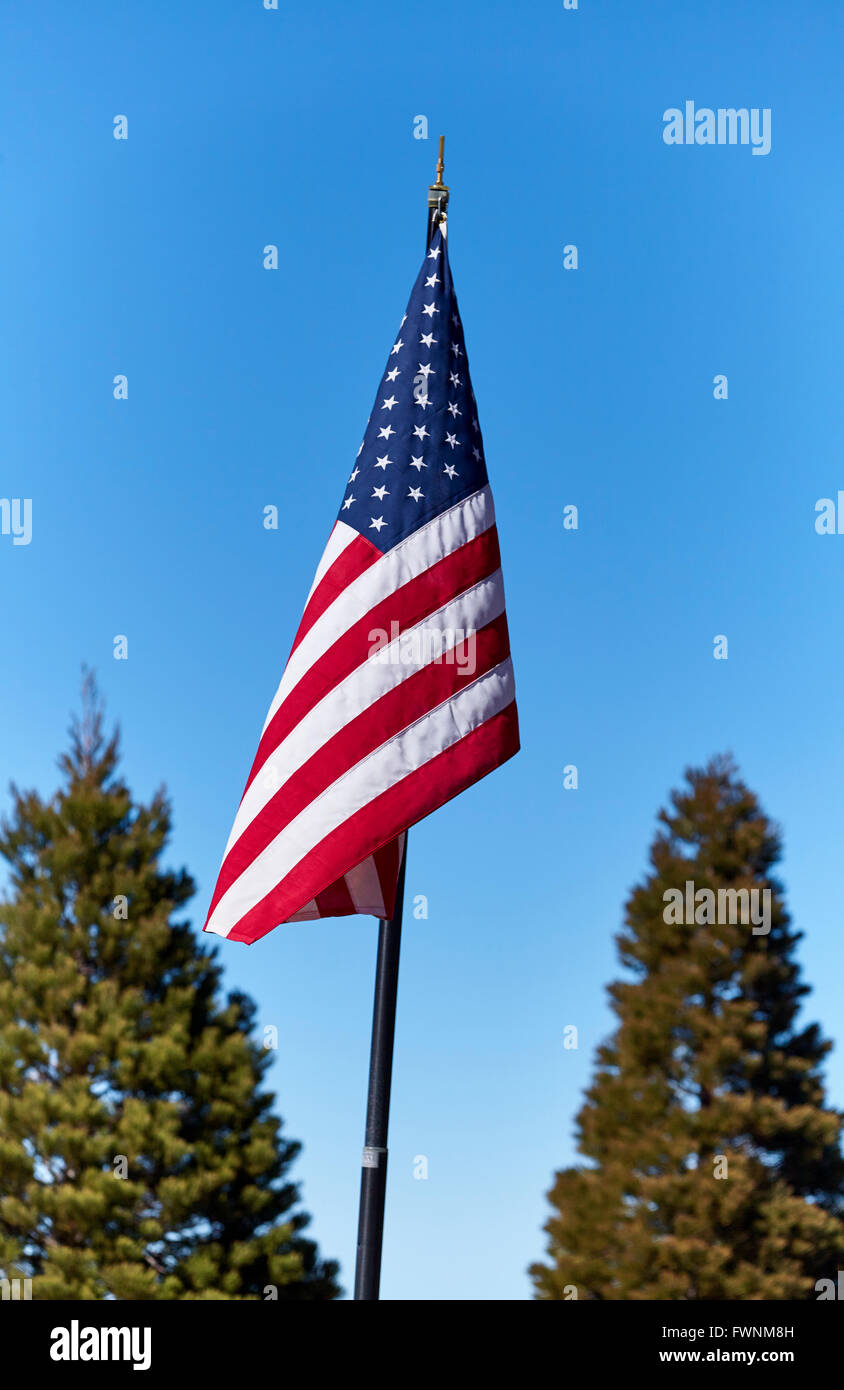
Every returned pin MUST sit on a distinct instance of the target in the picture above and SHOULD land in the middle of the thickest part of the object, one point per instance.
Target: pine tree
(715, 1166)
(139, 1155)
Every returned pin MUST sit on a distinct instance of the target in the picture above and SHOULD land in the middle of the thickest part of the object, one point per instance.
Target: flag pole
(373, 1176)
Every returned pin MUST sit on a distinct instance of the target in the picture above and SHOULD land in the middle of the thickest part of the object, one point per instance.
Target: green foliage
(707, 1065)
(139, 1155)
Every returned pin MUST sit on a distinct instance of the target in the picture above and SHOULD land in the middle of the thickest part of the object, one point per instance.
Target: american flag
(398, 692)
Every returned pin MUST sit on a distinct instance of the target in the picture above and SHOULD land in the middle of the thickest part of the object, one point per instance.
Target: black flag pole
(373, 1177)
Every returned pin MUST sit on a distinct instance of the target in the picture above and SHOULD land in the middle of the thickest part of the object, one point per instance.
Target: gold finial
(438, 192)
(440, 164)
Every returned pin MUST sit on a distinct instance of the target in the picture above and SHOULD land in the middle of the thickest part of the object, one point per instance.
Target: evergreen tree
(139, 1155)
(716, 1170)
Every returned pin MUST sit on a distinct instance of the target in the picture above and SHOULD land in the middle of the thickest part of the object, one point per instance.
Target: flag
(398, 692)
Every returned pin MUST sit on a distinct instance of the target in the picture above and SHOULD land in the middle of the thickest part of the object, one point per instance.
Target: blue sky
(249, 387)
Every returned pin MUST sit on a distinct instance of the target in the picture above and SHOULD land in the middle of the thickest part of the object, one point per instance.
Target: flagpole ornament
(438, 194)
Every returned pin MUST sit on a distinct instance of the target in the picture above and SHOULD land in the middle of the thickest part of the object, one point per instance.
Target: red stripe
(401, 805)
(386, 860)
(389, 716)
(336, 900)
(405, 606)
(351, 562)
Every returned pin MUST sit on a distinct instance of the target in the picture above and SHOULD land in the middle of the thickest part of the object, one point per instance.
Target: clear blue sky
(249, 387)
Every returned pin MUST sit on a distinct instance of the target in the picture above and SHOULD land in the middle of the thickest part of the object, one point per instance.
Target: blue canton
(422, 451)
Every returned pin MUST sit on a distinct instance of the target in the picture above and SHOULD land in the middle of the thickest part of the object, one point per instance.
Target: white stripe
(341, 536)
(365, 887)
(471, 611)
(411, 557)
(391, 763)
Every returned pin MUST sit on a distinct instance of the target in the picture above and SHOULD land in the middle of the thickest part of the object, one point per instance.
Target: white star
(456, 349)
(348, 502)
(391, 376)
(428, 339)
(416, 462)
(475, 425)
(360, 450)
(430, 309)
(432, 280)
(386, 432)
(380, 493)
(476, 451)
(423, 401)
(453, 409)
(403, 322)
(427, 370)
(455, 320)
(420, 431)
(451, 440)
(389, 402)
(432, 255)
(377, 522)
(416, 494)
(397, 347)
(450, 470)
(454, 378)
(383, 461)
(353, 475)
